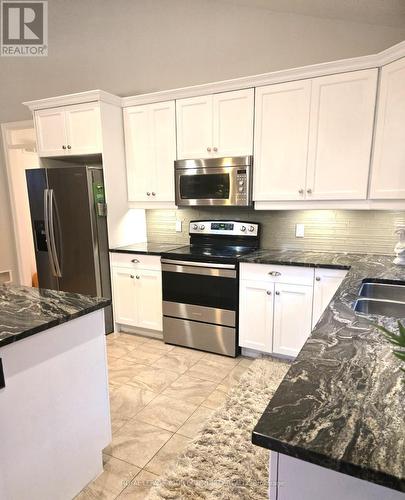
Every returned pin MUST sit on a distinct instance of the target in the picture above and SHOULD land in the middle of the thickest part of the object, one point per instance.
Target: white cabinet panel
(327, 281)
(50, 128)
(256, 315)
(83, 129)
(233, 123)
(194, 127)
(388, 167)
(125, 308)
(149, 299)
(341, 126)
(292, 318)
(281, 140)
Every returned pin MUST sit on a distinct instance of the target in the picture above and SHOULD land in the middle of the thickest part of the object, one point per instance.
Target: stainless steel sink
(380, 307)
(384, 291)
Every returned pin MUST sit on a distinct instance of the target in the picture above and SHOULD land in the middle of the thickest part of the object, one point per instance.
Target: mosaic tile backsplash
(368, 231)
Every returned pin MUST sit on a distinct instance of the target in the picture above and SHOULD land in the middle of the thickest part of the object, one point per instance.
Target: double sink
(381, 298)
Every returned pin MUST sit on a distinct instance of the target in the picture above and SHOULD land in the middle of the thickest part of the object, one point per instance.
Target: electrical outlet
(299, 230)
(178, 226)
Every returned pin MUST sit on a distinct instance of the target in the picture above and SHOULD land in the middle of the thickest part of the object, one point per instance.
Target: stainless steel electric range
(201, 285)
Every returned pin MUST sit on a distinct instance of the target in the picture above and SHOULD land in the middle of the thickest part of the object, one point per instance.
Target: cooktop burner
(208, 251)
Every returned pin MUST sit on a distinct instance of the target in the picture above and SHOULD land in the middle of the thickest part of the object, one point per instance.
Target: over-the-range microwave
(214, 181)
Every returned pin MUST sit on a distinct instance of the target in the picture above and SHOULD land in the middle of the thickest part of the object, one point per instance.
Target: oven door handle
(198, 264)
(203, 271)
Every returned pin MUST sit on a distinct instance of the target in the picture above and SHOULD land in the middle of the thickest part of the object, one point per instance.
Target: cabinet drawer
(136, 261)
(295, 275)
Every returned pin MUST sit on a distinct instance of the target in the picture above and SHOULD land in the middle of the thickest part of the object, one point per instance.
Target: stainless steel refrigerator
(68, 215)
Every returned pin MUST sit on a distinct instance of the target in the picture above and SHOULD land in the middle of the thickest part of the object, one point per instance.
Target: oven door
(206, 186)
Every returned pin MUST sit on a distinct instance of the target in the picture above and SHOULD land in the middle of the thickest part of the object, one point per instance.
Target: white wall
(134, 46)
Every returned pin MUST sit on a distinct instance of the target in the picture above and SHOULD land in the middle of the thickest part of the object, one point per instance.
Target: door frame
(6, 129)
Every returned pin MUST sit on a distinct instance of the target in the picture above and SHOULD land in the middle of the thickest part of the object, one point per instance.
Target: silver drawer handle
(135, 261)
(132, 276)
(137, 277)
(268, 292)
(277, 293)
(274, 273)
(318, 278)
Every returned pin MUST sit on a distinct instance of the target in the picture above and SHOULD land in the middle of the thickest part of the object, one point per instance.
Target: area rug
(221, 462)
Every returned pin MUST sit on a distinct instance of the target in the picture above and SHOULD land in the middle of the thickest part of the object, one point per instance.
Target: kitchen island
(340, 408)
(54, 406)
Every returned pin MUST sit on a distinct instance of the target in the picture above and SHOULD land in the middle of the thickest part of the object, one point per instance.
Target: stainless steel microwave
(214, 181)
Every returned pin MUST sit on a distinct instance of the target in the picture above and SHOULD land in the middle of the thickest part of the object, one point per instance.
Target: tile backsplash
(368, 231)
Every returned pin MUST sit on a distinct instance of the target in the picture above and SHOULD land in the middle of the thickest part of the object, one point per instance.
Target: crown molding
(77, 98)
(300, 73)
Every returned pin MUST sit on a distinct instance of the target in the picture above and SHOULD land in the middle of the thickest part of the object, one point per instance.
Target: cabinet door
(163, 135)
(256, 315)
(233, 123)
(149, 299)
(51, 132)
(83, 128)
(292, 318)
(281, 140)
(194, 127)
(139, 153)
(388, 167)
(341, 128)
(327, 281)
(125, 306)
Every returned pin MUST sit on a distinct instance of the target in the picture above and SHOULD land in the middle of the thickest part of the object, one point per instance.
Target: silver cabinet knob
(195, 226)
(131, 276)
(243, 228)
(277, 293)
(63, 147)
(148, 193)
(209, 150)
(153, 193)
(318, 278)
(215, 149)
(268, 292)
(137, 277)
(69, 146)
(274, 273)
(135, 261)
(309, 191)
(301, 191)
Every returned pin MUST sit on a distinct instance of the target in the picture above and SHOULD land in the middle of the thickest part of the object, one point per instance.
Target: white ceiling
(380, 12)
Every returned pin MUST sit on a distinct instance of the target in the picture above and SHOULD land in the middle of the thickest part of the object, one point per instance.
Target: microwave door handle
(52, 210)
(47, 232)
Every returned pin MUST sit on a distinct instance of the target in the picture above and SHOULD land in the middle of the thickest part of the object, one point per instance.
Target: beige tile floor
(160, 397)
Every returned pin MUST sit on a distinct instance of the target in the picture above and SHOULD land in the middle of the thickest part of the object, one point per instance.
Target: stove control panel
(221, 227)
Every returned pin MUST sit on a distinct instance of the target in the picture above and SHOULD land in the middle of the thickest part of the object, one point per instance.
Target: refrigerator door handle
(53, 209)
(47, 232)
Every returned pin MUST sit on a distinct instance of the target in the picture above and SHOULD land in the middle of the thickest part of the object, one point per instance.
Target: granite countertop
(342, 403)
(147, 248)
(25, 311)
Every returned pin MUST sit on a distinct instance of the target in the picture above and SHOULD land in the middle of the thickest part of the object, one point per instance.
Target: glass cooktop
(208, 252)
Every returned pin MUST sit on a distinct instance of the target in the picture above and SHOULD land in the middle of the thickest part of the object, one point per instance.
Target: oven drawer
(203, 336)
(136, 261)
(199, 313)
(295, 275)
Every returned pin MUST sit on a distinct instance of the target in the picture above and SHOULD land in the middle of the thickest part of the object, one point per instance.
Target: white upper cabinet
(281, 140)
(292, 318)
(233, 123)
(83, 129)
(388, 166)
(50, 126)
(215, 125)
(150, 145)
(341, 128)
(194, 127)
(68, 130)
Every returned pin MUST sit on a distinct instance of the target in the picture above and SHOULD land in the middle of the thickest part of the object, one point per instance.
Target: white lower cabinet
(137, 296)
(277, 304)
(292, 318)
(256, 315)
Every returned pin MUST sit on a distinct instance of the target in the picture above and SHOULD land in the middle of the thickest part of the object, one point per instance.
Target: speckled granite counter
(147, 248)
(342, 403)
(26, 311)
